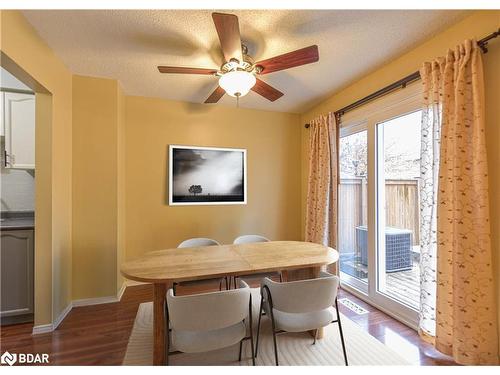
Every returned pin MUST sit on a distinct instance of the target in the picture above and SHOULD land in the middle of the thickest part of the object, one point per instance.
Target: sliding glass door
(398, 167)
(352, 222)
(379, 204)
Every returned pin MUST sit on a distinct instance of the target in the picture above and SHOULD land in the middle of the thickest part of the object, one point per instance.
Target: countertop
(17, 221)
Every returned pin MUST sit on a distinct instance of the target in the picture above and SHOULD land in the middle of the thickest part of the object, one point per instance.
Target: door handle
(5, 156)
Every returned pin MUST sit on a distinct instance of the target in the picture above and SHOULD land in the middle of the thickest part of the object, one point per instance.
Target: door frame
(45, 262)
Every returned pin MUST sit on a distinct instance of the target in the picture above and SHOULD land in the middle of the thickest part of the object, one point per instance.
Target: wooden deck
(405, 286)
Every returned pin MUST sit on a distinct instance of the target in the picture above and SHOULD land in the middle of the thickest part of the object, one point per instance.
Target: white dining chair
(200, 241)
(195, 242)
(250, 238)
(253, 238)
(300, 306)
(209, 321)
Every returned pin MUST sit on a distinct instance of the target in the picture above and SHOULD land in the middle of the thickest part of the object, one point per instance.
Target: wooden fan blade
(184, 70)
(289, 60)
(267, 91)
(228, 29)
(216, 95)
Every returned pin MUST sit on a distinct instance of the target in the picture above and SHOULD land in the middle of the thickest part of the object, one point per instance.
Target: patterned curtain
(456, 244)
(429, 173)
(321, 209)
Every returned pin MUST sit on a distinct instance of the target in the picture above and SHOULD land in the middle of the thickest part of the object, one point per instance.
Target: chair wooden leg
(315, 336)
(341, 333)
(258, 326)
(281, 277)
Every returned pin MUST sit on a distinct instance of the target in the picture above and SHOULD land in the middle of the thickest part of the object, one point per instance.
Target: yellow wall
(97, 113)
(476, 26)
(21, 43)
(121, 151)
(43, 209)
(272, 141)
(120, 145)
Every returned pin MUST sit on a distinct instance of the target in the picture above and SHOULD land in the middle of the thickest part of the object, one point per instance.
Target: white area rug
(294, 349)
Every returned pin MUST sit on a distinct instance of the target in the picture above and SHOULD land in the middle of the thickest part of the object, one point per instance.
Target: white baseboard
(62, 315)
(43, 328)
(95, 301)
(47, 328)
(119, 295)
(101, 300)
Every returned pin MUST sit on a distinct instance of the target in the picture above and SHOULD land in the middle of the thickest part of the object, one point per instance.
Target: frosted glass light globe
(237, 82)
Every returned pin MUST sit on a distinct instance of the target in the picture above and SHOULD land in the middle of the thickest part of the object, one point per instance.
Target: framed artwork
(207, 175)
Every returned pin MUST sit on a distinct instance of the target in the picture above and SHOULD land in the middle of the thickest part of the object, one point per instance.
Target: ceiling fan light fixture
(238, 74)
(237, 83)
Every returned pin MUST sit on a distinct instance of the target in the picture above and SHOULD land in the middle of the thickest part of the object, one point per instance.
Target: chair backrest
(208, 311)
(193, 242)
(249, 238)
(304, 295)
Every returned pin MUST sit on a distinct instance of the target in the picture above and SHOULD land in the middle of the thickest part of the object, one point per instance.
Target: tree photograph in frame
(206, 175)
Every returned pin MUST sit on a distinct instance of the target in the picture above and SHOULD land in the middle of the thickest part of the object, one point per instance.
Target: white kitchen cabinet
(2, 114)
(19, 128)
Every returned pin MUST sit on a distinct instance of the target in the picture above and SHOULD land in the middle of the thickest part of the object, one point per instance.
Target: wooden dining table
(296, 260)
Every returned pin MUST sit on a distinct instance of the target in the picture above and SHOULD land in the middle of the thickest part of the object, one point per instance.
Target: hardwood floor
(98, 335)
(89, 335)
(397, 336)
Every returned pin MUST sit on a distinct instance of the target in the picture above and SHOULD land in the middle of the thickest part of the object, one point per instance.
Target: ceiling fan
(238, 75)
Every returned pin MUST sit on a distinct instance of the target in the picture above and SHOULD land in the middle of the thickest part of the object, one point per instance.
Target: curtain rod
(483, 44)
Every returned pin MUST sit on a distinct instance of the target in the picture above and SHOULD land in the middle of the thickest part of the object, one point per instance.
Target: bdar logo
(8, 358)
(23, 358)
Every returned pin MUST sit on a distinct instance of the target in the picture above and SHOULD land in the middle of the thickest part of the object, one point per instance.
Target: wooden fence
(401, 208)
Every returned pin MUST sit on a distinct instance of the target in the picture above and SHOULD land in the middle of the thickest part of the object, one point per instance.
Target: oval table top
(195, 263)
